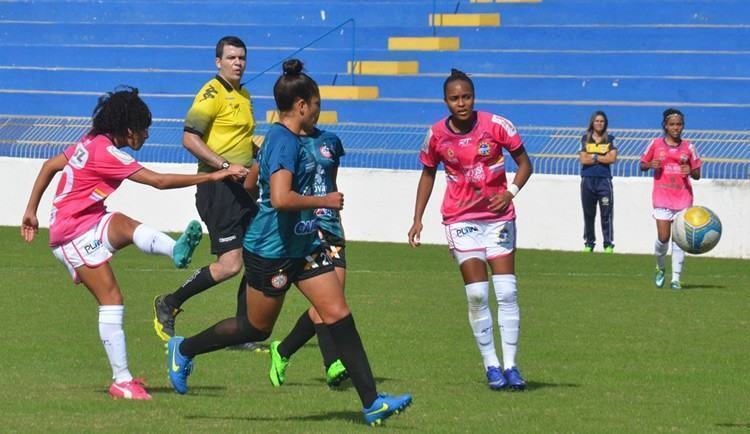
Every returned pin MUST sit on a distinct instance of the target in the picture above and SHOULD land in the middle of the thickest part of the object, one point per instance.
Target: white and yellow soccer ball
(696, 230)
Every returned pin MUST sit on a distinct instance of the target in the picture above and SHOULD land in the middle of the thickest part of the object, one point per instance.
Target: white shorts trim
(480, 239)
(665, 213)
(91, 249)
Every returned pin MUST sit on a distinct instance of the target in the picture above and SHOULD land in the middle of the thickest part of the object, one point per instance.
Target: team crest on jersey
(209, 93)
(449, 152)
(279, 280)
(483, 149)
(325, 151)
(124, 157)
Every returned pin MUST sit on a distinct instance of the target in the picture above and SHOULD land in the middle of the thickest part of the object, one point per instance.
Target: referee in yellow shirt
(218, 131)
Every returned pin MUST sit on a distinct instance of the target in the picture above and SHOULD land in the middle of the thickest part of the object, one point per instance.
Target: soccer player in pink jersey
(674, 162)
(84, 234)
(478, 216)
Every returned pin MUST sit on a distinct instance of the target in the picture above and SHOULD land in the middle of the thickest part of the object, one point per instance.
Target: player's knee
(251, 333)
(476, 294)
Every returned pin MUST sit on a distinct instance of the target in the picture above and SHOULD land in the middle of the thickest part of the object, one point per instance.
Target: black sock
(352, 352)
(302, 332)
(231, 331)
(242, 297)
(326, 345)
(198, 282)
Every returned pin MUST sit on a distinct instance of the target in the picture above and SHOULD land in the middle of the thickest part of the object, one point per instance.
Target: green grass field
(603, 350)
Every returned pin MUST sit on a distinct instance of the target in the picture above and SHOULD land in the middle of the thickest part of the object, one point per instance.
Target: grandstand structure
(544, 64)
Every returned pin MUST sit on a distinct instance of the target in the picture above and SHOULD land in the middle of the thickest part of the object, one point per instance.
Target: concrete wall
(379, 206)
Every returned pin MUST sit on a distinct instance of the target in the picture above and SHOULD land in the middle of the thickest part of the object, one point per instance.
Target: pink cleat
(132, 389)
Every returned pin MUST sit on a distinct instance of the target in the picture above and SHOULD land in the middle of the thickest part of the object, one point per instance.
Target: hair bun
(292, 67)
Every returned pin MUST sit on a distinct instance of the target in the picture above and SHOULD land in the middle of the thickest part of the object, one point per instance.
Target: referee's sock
(225, 333)
(198, 282)
(302, 332)
(349, 344)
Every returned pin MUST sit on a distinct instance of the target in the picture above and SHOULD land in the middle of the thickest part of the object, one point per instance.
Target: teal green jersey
(326, 148)
(283, 234)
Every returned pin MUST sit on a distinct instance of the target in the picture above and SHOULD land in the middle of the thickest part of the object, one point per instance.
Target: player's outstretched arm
(29, 222)
(165, 181)
(424, 191)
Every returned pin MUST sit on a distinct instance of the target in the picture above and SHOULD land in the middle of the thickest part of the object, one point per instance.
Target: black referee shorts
(227, 210)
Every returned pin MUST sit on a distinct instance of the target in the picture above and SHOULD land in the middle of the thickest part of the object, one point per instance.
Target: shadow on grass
(734, 425)
(347, 416)
(202, 391)
(347, 385)
(688, 287)
(535, 385)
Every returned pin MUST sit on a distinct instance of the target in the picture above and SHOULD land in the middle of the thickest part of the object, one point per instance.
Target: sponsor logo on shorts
(279, 280)
(92, 246)
(466, 230)
(503, 237)
(227, 239)
(306, 227)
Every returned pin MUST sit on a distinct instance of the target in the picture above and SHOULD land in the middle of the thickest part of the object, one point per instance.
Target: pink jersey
(474, 166)
(96, 167)
(672, 189)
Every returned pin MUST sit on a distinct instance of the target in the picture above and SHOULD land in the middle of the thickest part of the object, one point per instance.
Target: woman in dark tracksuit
(596, 155)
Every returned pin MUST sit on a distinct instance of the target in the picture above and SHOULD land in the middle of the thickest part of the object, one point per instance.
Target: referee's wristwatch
(225, 164)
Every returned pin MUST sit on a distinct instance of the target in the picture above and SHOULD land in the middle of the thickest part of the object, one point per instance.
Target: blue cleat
(182, 252)
(495, 378)
(515, 381)
(385, 406)
(178, 366)
(659, 278)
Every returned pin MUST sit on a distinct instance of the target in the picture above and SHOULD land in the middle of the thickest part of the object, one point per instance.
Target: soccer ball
(696, 230)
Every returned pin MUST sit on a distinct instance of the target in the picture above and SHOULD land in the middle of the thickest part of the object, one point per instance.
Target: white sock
(113, 339)
(480, 319)
(660, 250)
(508, 316)
(678, 258)
(153, 242)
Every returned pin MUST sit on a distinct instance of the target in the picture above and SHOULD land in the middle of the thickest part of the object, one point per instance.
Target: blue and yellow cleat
(659, 278)
(178, 366)
(182, 252)
(515, 380)
(385, 406)
(495, 378)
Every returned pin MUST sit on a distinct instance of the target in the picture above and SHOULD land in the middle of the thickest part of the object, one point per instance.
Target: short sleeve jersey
(672, 189)
(327, 149)
(95, 169)
(277, 234)
(589, 146)
(223, 117)
(474, 166)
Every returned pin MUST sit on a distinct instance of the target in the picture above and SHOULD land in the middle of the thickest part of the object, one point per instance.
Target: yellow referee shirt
(223, 117)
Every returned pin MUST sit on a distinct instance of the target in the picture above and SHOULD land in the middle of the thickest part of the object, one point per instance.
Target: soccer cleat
(178, 366)
(659, 278)
(515, 381)
(385, 406)
(495, 378)
(254, 347)
(336, 373)
(675, 285)
(182, 252)
(609, 249)
(164, 316)
(132, 389)
(278, 365)
(588, 249)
